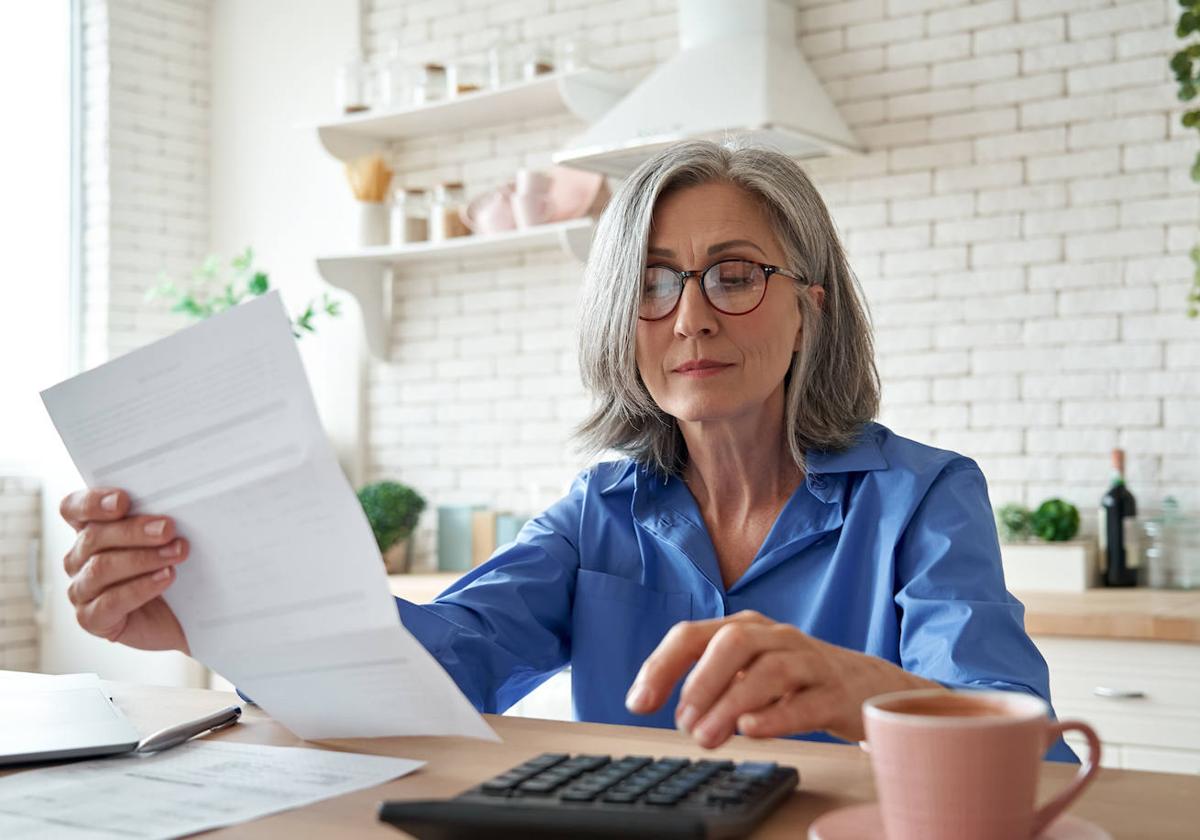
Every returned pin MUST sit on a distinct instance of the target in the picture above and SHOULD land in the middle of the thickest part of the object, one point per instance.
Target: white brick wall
(146, 72)
(1020, 224)
(20, 528)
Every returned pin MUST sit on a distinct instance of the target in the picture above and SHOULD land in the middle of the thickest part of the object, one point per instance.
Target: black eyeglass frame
(768, 271)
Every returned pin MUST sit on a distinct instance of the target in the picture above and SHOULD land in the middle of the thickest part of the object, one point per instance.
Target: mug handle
(1087, 771)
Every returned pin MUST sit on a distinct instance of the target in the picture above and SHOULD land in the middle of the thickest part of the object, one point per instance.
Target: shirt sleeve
(958, 623)
(505, 627)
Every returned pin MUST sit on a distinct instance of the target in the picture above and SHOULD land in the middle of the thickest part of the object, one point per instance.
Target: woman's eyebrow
(712, 249)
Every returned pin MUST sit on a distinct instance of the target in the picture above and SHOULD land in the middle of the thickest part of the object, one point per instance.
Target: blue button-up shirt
(888, 548)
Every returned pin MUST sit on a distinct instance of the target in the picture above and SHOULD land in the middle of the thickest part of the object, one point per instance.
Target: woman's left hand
(762, 678)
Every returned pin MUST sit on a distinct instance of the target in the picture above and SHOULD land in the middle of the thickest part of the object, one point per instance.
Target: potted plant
(393, 510)
(1040, 551)
(207, 294)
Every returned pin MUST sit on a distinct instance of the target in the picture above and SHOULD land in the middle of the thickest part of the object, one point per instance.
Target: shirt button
(817, 481)
(664, 521)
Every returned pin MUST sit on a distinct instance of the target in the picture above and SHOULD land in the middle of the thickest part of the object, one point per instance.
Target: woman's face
(692, 228)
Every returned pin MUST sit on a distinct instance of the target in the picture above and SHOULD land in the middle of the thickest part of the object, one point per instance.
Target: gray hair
(832, 386)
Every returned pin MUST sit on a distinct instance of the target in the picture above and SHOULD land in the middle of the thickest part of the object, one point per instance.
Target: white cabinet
(1141, 697)
(550, 701)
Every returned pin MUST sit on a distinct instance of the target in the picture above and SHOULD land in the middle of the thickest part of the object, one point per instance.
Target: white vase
(372, 223)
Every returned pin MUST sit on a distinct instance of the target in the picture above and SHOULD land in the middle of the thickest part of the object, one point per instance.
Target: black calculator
(584, 796)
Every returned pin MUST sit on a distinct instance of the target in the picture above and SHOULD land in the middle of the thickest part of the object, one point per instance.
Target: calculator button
(756, 769)
(579, 794)
(545, 760)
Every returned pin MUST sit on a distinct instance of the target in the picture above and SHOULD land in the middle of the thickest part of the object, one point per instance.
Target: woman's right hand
(120, 566)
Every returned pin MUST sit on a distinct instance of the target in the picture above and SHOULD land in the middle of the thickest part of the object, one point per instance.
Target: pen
(171, 736)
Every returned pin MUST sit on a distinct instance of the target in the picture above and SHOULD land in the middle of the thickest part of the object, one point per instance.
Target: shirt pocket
(616, 624)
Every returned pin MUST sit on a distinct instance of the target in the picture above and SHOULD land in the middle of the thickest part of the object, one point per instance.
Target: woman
(762, 533)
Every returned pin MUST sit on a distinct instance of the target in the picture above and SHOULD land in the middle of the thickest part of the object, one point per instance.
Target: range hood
(739, 73)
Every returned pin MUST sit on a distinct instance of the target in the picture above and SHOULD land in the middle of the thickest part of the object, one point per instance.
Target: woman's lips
(701, 371)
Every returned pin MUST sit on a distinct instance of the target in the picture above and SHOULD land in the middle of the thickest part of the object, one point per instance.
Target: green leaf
(208, 269)
(258, 283)
(243, 260)
(190, 306)
(1188, 23)
(1190, 118)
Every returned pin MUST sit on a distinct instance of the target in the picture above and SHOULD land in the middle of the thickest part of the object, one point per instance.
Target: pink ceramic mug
(955, 764)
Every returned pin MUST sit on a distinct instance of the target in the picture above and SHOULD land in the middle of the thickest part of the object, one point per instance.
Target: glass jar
(392, 85)
(501, 64)
(444, 221)
(1172, 541)
(571, 54)
(464, 77)
(410, 217)
(429, 83)
(535, 60)
(353, 85)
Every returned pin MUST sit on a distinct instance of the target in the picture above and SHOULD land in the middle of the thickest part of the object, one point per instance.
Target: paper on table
(284, 592)
(193, 787)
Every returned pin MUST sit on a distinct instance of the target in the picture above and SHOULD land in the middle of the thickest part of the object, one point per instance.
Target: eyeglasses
(732, 287)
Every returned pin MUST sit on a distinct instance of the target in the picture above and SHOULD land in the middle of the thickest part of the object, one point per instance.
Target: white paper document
(284, 592)
(193, 787)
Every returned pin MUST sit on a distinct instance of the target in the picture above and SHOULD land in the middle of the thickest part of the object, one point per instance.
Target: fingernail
(163, 573)
(705, 731)
(170, 550)
(156, 528)
(636, 697)
(685, 718)
(109, 502)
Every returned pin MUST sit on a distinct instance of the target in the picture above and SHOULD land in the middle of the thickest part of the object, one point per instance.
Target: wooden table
(1128, 804)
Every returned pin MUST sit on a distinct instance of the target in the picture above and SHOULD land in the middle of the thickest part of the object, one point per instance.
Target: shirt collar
(862, 456)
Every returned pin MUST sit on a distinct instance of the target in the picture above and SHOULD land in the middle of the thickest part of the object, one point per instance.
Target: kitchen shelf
(367, 273)
(585, 93)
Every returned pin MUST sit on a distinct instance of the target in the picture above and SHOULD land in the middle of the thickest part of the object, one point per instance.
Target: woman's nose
(693, 315)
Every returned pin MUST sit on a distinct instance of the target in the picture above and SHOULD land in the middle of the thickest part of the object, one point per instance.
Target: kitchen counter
(1146, 614)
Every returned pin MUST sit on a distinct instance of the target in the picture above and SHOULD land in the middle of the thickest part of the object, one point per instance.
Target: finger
(773, 675)
(96, 504)
(807, 710)
(732, 649)
(675, 654)
(109, 568)
(131, 532)
(107, 614)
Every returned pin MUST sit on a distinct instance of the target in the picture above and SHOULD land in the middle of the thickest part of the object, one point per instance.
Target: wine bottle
(1118, 545)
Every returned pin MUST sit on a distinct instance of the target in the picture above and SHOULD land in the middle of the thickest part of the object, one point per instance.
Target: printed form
(284, 592)
(192, 787)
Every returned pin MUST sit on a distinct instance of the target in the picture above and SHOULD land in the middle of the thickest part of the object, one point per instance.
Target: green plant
(1055, 520)
(209, 295)
(1012, 521)
(392, 509)
(1186, 66)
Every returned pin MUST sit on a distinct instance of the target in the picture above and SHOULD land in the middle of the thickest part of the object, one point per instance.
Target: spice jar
(353, 85)
(464, 77)
(429, 84)
(536, 60)
(444, 221)
(410, 217)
